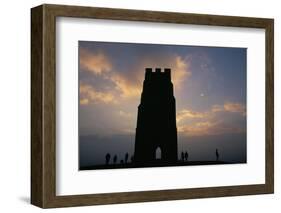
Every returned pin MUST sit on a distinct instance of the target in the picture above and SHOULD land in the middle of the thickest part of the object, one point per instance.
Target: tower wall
(156, 122)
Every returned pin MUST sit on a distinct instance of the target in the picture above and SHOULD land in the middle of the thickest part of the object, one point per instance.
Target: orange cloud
(230, 107)
(180, 71)
(208, 128)
(208, 123)
(186, 114)
(127, 89)
(217, 108)
(100, 64)
(226, 107)
(129, 85)
(88, 93)
(84, 101)
(96, 63)
(180, 67)
(235, 107)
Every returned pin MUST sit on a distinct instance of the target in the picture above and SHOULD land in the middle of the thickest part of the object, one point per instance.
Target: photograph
(158, 105)
(135, 105)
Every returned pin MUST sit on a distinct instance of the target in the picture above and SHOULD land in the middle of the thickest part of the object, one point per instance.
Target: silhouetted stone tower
(156, 125)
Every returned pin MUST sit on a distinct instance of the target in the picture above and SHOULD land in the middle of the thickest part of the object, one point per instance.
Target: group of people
(185, 155)
(115, 158)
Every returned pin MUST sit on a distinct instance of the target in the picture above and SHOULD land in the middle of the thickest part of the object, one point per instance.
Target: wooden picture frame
(43, 105)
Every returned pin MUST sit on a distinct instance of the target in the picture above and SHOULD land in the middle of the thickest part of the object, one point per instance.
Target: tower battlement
(157, 74)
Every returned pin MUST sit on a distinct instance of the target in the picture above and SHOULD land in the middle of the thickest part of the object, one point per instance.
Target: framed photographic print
(135, 106)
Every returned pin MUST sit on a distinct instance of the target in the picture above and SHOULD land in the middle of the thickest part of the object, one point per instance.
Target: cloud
(189, 114)
(235, 107)
(96, 63)
(180, 71)
(124, 114)
(100, 64)
(210, 122)
(209, 128)
(217, 108)
(128, 82)
(88, 93)
(180, 66)
(125, 87)
(230, 107)
(84, 101)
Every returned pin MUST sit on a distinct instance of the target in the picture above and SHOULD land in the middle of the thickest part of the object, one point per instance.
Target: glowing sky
(209, 87)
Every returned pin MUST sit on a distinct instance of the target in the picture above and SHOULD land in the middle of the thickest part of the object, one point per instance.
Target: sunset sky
(209, 87)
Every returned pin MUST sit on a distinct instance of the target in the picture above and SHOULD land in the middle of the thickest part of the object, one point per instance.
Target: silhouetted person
(182, 156)
(217, 155)
(186, 156)
(115, 159)
(121, 162)
(132, 158)
(126, 157)
(107, 158)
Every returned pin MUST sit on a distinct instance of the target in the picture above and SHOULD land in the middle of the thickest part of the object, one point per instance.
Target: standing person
(217, 155)
(186, 156)
(107, 158)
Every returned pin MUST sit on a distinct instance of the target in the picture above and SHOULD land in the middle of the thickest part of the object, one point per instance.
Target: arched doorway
(158, 153)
